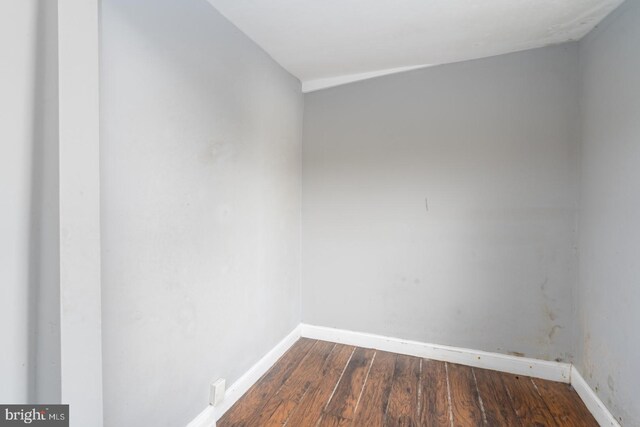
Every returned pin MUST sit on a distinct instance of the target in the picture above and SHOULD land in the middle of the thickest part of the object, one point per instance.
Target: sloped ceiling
(330, 42)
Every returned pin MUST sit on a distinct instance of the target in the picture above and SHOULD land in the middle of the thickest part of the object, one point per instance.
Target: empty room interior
(320, 213)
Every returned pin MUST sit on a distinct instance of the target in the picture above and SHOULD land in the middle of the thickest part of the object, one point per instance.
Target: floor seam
(446, 369)
(355, 409)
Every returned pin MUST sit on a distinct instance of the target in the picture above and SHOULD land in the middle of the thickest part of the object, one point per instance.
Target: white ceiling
(330, 42)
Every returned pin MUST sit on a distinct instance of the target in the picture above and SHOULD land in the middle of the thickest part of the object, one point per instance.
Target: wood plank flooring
(318, 383)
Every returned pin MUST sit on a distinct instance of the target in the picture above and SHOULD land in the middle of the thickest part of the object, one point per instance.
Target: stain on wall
(609, 295)
(493, 144)
(201, 141)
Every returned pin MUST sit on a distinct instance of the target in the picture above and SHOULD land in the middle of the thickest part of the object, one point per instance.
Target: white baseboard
(592, 401)
(211, 414)
(554, 371)
(206, 418)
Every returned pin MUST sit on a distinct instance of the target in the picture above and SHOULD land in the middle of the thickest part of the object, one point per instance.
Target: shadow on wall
(44, 277)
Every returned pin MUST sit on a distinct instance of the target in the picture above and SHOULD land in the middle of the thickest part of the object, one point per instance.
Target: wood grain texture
(307, 374)
(330, 420)
(526, 402)
(279, 416)
(304, 376)
(434, 408)
(318, 383)
(256, 397)
(497, 406)
(565, 404)
(346, 395)
(465, 404)
(403, 400)
(313, 403)
(375, 396)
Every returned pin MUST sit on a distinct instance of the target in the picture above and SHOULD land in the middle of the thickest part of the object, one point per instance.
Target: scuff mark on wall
(553, 331)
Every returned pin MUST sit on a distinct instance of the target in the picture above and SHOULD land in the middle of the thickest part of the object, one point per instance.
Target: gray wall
(200, 175)
(492, 145)
(610, 212)
(29, 273)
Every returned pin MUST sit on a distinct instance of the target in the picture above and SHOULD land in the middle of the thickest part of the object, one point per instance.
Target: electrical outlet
(216, 392)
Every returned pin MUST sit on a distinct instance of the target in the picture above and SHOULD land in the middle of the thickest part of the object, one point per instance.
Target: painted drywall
(29, 313)
(440, 204)
(79, 200)
(609, 295)
(331, 42)
(200, 181)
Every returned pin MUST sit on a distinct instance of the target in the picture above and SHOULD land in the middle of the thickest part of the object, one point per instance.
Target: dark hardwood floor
(318, 383)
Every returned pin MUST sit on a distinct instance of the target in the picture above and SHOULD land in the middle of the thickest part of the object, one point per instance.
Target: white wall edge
(554, 371)
(591, 400)
(319, 84)
(209, 416)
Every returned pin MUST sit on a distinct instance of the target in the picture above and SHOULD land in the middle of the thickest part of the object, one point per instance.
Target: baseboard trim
(211, 414)
(591, 400)
(206, 418)
(554, 371)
